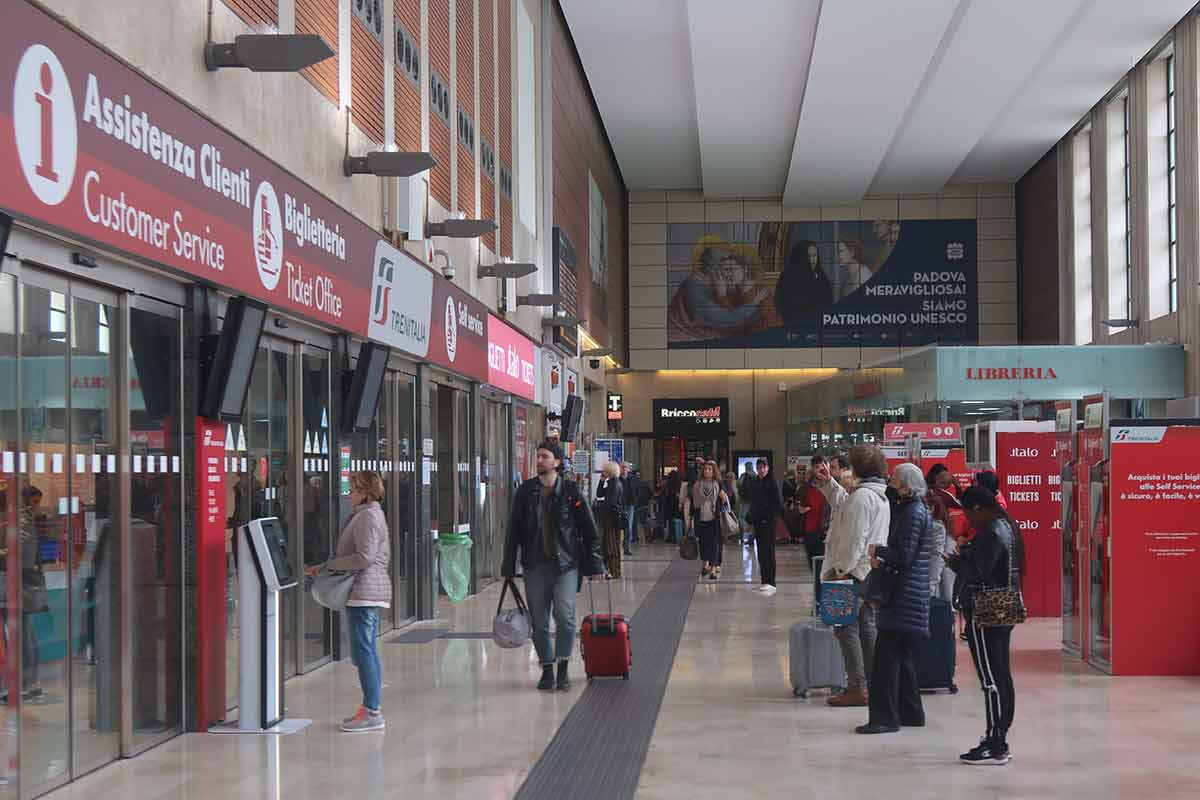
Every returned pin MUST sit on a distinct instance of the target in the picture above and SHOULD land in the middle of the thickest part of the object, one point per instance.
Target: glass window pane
(317, 490)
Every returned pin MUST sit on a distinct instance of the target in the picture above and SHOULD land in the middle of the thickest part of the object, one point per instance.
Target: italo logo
(383, 291)
(44, 125)
(1023, 452)
(451, 329)
(1011, 374)
(697, 413)
(267, 226)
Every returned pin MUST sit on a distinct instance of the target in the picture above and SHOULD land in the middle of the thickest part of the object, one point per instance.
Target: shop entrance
(90, 406)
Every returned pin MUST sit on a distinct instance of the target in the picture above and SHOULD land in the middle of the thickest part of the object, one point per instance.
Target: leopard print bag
(1001, 606)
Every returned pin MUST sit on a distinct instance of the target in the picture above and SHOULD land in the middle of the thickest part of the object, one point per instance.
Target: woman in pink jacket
(364, 548)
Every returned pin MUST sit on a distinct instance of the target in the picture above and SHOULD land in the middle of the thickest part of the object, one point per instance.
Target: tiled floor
(464, 721)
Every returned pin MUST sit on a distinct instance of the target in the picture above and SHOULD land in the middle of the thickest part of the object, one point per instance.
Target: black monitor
(232, 360)
(5, 226)
(571, 417)
(365, 385)
(277, 547)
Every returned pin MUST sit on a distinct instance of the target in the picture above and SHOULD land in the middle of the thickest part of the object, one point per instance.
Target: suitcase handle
(612, 622)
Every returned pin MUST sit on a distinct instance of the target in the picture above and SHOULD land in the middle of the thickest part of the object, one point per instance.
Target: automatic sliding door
(317, 498)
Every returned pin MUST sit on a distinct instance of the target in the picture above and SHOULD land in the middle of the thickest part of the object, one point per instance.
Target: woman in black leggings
(995, 558)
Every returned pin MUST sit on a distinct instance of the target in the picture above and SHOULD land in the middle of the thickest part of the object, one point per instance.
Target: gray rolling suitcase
(814, 654)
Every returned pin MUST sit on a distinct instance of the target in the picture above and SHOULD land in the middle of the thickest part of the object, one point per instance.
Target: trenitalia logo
(1011, 374)
(713, 414)
(1149, 435)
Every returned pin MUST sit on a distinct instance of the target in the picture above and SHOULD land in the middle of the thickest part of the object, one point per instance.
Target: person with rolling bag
(604, 642)
(936, 656)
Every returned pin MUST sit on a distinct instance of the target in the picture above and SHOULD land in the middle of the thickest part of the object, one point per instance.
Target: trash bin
(454, 551)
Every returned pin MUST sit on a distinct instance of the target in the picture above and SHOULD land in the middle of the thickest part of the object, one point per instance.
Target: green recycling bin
(454, 550)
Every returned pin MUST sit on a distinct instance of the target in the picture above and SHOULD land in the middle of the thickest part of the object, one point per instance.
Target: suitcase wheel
(953, 688)
(799, 693)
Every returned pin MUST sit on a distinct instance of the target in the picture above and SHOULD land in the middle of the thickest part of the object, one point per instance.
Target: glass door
(401, 488)
(316, 502)
(493, 490)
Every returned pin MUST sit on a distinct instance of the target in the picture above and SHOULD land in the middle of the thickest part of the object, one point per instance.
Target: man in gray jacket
(860, 518)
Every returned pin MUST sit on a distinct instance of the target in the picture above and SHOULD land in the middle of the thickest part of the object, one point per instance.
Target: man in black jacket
(765, 508)
(553, 528)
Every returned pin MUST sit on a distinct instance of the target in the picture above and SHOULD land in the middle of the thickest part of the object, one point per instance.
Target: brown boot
(851, 698)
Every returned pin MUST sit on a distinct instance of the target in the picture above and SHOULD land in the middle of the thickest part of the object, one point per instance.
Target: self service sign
(692, 418)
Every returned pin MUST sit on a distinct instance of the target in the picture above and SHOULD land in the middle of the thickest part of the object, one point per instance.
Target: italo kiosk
(264, 572)
(1145, 549)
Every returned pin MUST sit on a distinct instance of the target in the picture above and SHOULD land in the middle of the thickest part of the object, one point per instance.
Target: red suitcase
(604, 642)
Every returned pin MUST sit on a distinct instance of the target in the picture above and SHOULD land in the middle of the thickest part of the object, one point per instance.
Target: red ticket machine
(1150, 598)
(1066, 449)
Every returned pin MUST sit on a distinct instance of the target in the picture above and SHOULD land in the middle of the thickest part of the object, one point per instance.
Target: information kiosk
(264, 571)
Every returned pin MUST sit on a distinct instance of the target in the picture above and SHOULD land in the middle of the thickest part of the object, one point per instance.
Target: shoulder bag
(881, 584)
(331, 589)
(1002, 606)
(511, 626)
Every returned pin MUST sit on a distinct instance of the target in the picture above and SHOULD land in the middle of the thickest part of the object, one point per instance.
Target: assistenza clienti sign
(92, 148)
(696, 417)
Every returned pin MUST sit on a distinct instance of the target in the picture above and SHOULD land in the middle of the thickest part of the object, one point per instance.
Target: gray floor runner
(599, 749)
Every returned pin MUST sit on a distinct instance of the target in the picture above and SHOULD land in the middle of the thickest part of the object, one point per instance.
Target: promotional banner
(210, 570)
(701, 418)
(512, 360)
(1030, 481)
(1155, 521)
(822, 284)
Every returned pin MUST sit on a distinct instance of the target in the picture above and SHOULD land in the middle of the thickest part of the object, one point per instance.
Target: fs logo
(1121, 435)
(44, 125)
(383, 290)
(267, 228)
(451, 329)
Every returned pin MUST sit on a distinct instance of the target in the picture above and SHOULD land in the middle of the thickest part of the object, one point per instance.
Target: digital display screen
(277, 547)
(241, 363)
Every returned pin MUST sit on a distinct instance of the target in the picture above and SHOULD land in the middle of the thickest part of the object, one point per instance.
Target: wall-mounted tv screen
(233, 359)
(363, 397)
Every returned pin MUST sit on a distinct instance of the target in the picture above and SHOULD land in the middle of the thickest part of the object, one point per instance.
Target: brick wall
(487, 113)
(993, 205)
(441, 136)
(321, 17)
(407, 122)
(261, 15)
(464, 48)
(366, 81)
(581, 147)
(504, 157)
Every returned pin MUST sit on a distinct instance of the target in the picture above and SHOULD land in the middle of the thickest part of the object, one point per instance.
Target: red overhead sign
(512, 360)
(929, 431)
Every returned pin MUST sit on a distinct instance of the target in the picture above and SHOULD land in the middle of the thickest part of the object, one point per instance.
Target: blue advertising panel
(855, 283)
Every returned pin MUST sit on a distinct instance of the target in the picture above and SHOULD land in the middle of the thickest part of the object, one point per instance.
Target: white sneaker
(767, 590)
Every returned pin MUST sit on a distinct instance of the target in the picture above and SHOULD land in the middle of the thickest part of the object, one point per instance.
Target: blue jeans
(676, 529)
(363, 626)
(549, 591)
(630, 525)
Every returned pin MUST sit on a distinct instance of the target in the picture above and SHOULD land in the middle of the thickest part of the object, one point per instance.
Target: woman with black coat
(993, 559)
(610, 514)
(903, 620)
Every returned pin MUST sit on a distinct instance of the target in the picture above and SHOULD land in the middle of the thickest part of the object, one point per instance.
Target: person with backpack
(552, 531)
(993, 559)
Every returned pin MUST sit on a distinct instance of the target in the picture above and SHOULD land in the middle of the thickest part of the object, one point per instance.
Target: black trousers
(764, 538)
(990, 649)
(709, 534)
(895, 693)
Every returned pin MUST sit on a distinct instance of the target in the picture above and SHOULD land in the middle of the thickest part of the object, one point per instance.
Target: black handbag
(881, 585)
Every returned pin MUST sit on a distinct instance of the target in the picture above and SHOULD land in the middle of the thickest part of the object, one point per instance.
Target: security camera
(447, 263)
(594, 363)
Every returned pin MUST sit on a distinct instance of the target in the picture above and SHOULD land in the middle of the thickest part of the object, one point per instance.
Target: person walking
(707, 499)
(364, 547)
(672, 508)
(629, 481)
(860, 518)
(552, 531)
(610, 511)
(993, 559)
(765, 508)
(902, 621)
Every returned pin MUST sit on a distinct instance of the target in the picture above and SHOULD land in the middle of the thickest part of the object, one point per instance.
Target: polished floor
(464, 721)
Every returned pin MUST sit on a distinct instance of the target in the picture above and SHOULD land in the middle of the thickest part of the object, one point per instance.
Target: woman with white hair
(903, 618)
(610, 514)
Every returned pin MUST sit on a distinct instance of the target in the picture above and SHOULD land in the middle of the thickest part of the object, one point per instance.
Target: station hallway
(465, 721)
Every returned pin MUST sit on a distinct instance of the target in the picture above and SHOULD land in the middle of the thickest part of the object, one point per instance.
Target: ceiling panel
(1109, 38)
(638, 62)
(749, 74)
(868, 62)
(990, 50)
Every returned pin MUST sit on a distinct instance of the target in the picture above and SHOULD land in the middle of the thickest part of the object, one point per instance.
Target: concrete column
(454, 101)
(389, 75)
(287, 16)
(1139, 212)
(1100, 189)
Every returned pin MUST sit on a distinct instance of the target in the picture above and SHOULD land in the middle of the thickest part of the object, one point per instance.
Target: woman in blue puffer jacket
(895, 697)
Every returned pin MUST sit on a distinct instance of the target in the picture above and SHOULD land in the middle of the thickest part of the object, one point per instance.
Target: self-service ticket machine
(264, 571)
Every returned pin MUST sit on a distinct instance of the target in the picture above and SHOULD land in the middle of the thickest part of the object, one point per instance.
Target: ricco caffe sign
(698, 418)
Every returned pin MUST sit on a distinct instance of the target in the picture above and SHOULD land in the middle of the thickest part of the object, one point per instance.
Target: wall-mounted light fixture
(506, 269)
(539, 299)
(267, 52)
(460, 228)
(1119, 323)
(561, 321)
(387, 164)
(597, 352)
